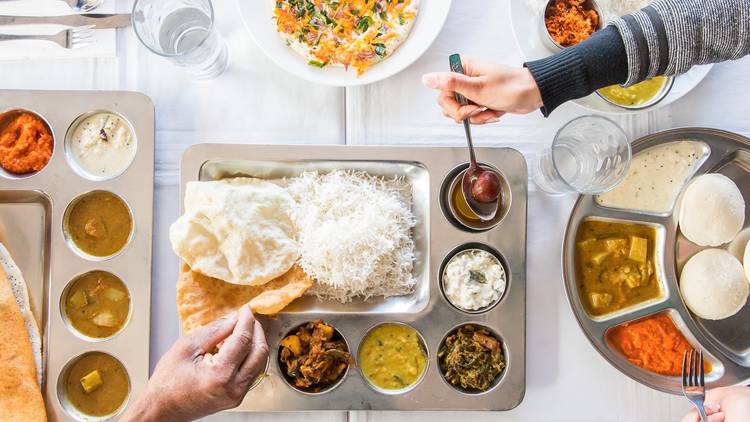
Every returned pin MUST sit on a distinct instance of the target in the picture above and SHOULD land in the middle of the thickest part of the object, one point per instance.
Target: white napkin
(103, 43)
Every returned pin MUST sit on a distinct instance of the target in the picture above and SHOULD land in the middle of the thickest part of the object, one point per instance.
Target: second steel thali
(727, 342)
(426, 310)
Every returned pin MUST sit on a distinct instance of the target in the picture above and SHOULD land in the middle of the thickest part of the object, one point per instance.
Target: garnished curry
(97, 304)
(99, 224)
(615, 266)
(97, 384)
(392, 356)
(471, 358)
(315, 357)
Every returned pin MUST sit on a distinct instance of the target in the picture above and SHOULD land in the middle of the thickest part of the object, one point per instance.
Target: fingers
(238, 344)
(255, 362)
(712, 410)
(470, 87)
(716, 417)
(206, 338)
(487, 116)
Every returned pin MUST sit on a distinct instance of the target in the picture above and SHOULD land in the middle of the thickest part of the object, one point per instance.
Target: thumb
(467, 86)
(207, 338)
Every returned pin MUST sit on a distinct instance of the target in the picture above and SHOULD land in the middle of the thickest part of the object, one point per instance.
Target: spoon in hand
(480, 186)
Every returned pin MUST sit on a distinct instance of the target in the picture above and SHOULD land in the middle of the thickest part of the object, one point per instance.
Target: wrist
(530, 91)
(149, 408)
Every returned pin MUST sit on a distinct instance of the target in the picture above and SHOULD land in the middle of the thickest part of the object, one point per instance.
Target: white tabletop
(255, 102)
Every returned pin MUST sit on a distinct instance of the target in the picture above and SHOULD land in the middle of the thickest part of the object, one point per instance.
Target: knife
(100, 20)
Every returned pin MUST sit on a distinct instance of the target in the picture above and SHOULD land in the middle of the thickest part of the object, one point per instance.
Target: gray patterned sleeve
(670, 36)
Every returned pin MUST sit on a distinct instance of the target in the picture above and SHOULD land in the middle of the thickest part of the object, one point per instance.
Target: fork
(693, 381)
(79, 5)
(69, 38)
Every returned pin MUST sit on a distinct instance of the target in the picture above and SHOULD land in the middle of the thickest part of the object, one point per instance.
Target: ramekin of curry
(615, 266)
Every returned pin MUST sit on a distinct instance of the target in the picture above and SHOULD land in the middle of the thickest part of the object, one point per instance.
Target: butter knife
(100, 20)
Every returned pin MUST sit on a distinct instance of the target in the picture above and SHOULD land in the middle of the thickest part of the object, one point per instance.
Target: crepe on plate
(202, 299)
(20, 350)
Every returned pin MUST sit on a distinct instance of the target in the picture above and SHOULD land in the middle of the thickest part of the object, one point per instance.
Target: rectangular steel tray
(426, 310)
(31, 225)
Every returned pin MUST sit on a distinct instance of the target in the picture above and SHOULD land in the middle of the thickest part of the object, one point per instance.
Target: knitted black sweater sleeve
(580, 70)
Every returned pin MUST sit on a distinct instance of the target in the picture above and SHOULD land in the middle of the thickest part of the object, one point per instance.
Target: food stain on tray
(656, 177)
(392, 357)
(97, 304)
(654, 344)
(615, 266)
(99, 224)
(26, 144)
(315, 357)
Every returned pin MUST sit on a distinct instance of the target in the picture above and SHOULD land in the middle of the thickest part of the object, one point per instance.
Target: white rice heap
(354, 234)
(610, 8)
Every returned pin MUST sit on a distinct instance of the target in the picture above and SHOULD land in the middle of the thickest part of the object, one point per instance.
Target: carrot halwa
(25, 144)
(654, 344)
(570, 21)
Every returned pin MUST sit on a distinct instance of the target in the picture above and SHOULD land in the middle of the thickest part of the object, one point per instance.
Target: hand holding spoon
(480, 186)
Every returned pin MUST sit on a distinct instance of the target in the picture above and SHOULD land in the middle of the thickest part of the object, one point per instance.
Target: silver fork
(79, 5)
(693, 381)
(69, 38)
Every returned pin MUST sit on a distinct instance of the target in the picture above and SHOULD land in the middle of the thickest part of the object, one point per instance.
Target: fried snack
(202, 300)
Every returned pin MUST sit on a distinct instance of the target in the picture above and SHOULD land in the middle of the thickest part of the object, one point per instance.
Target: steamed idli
(237, 230)
(713, 284)
(712, 210)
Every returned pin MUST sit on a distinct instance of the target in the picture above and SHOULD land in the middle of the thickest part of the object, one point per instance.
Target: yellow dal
(391, 357)
(635, 95)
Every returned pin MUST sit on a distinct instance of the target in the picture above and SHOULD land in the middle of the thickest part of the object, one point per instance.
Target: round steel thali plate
(726, 342)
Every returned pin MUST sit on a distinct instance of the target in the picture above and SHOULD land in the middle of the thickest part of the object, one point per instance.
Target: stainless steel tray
(426, 310)
(31, 225)
(728, 341)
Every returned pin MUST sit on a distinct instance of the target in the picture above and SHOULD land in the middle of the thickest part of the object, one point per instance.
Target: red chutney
(25, 144)
(654, 344)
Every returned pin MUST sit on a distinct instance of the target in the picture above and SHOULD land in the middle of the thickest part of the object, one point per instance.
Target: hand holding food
(501, 89)
(191, 381)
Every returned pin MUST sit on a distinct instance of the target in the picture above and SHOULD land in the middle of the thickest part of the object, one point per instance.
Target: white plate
(258, 18)
(527, 32)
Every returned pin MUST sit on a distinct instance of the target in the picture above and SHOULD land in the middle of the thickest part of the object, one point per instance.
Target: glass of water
(183, 31)
(589, 155)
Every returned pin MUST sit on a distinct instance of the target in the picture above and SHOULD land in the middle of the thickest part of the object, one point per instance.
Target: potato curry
(615, 265)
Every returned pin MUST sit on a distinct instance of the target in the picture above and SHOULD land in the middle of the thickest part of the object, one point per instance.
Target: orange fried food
(654, 344)
(25, 144)
(570, 22)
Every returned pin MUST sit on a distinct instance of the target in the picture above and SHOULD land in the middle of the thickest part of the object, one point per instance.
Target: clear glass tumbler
(184, 32)
(589, 155)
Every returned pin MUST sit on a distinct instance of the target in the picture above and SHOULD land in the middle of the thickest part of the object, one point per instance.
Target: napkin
(103, 43)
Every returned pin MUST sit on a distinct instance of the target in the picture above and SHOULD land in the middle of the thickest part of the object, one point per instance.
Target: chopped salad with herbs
(352, 33)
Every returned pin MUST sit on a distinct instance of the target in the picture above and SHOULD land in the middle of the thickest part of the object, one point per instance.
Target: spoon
(477, 182)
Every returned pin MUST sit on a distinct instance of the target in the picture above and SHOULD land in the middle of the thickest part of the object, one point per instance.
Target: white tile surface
(255, 102)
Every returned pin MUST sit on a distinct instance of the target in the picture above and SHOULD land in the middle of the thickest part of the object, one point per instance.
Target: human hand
(501, 89)
(728, 404)
(190, 382)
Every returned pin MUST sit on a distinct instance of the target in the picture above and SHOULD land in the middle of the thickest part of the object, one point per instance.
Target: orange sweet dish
(25, 144)
(654, 344)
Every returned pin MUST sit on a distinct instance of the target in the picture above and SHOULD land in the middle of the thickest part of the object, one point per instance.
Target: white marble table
(255, 102)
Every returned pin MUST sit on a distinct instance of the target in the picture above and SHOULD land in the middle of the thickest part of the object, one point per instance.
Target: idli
(237, 230)
(712, 210)
(739, 245)
(713, 284)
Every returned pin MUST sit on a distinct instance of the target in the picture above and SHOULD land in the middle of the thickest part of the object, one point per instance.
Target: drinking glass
(184, 32)
(589, 155)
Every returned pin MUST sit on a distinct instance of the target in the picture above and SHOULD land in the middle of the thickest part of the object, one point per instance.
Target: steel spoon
(486, 211)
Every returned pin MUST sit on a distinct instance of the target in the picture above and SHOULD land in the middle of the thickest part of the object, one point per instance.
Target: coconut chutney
(656, 177)
(474, 279)
(103, 145)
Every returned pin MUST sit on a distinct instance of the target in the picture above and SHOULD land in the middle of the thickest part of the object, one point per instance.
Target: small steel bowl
(450, 183)
(665, 90)
(547, 39)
